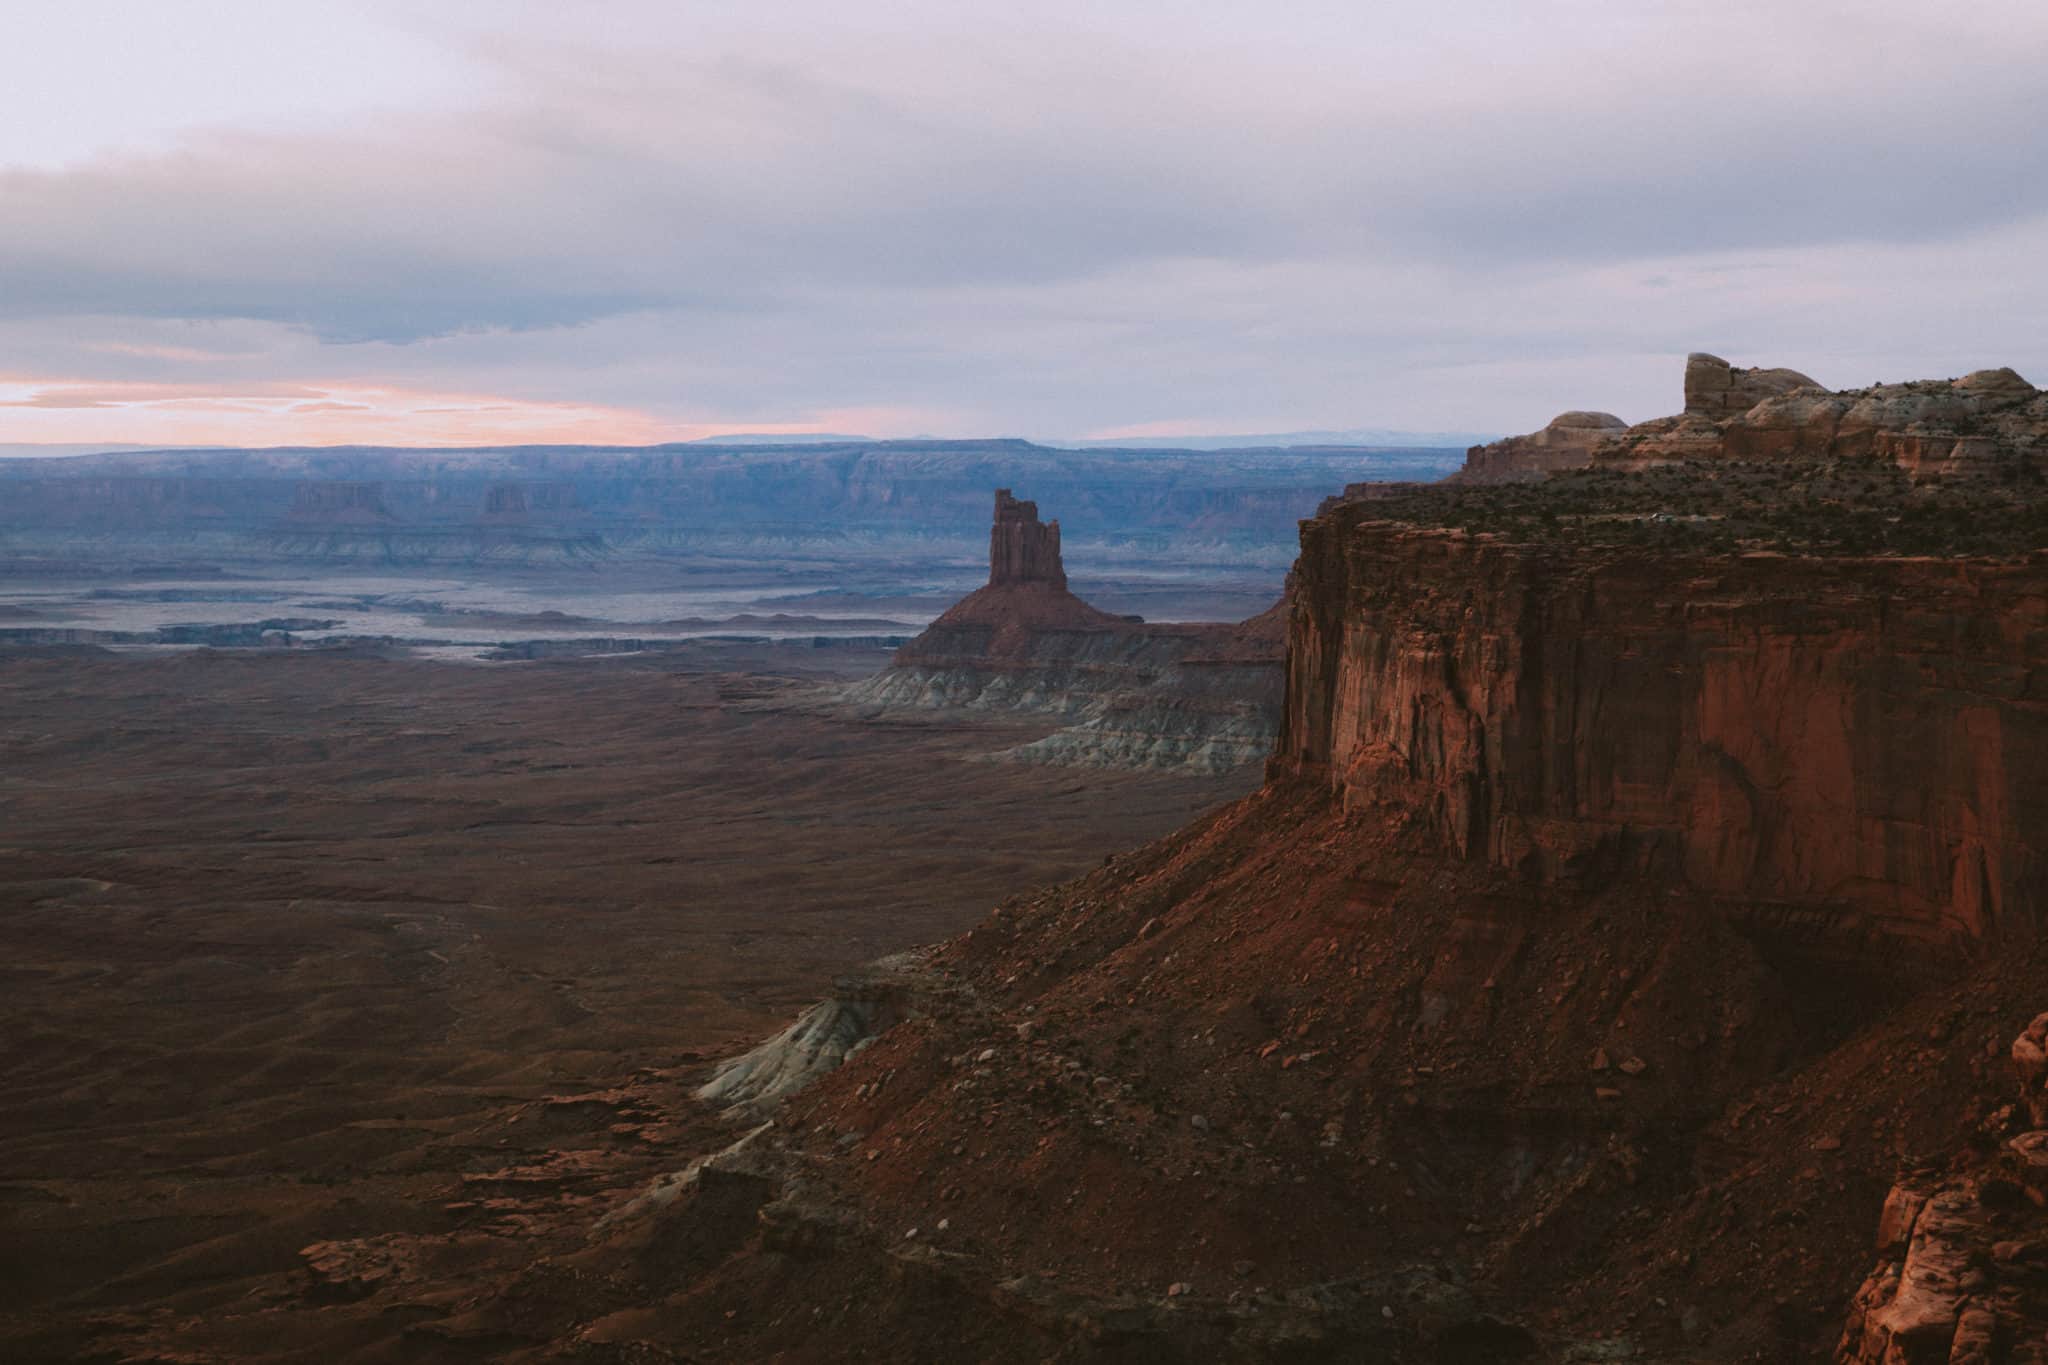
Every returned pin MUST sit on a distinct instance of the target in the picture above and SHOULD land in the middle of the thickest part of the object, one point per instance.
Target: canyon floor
(307, 947)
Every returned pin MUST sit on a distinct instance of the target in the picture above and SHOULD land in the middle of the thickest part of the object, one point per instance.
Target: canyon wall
(1848, 750)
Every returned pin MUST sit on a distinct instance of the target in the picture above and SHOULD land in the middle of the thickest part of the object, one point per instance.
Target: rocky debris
(1962, 1275)
(1132, 695)
(1567, 443)
(1715, 389)
(359, 1268)
(748, 1155)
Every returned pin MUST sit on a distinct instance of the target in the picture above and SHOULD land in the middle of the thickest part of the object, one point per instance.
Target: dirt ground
(302, 947)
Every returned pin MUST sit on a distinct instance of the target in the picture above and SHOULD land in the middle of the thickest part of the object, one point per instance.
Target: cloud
(1075, 218)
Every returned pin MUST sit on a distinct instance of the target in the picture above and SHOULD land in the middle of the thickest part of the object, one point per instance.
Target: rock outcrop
(1127, 693)
(1990, 423)
(1716, 390)
(1567, 443)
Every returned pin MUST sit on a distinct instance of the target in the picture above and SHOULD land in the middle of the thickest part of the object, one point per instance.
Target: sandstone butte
(1634, 953)
(1129, 693)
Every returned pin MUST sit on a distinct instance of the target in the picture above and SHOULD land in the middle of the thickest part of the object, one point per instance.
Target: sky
(433, 222)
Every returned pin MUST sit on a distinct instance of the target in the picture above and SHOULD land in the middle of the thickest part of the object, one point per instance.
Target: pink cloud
(338, 413)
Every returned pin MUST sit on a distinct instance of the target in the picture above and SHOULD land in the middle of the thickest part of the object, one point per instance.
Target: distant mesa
(1984, 423)
(338, 502)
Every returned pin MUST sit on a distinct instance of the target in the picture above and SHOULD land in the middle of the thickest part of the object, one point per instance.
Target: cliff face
(1991, 422)
(1204, 697)
(1856, 749)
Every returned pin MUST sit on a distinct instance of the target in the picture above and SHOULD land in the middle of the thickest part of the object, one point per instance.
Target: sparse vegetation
(1841, 508)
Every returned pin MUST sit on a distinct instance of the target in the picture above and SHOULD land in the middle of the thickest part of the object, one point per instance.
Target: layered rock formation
(1989, 423)
(1853, 749)
(1129, 694)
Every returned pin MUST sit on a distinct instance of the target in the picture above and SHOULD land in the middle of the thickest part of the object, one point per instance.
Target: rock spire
(1021, 548)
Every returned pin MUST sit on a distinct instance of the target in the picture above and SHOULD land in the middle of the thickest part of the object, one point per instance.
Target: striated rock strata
(1853, 748)
(1129, 693)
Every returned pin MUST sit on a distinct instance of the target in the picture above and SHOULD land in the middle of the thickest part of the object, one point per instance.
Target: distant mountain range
(586, 504)
(1380, 438)
(1371, 438)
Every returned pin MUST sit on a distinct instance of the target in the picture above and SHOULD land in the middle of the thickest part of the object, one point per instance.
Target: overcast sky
(431, 221)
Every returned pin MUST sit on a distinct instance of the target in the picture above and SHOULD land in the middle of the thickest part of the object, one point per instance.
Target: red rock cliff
(1850, 747)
